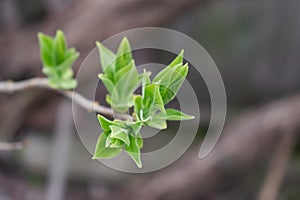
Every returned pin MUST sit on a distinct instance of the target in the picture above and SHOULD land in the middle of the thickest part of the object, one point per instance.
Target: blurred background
(255, 45)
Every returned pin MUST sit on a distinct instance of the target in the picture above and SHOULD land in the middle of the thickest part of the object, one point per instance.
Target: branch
(12, 87)
(277, 168)
(4, 146)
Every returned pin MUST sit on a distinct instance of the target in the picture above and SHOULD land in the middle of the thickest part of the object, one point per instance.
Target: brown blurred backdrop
(255, 45)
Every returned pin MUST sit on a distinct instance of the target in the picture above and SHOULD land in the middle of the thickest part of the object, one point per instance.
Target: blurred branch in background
(5, 146)
(278, 166)
(58, 170)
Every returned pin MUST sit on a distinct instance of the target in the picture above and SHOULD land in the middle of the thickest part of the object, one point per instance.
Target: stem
(12, 87)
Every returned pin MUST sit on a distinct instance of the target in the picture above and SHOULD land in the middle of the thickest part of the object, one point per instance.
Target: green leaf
(59, 45)
(116, 143)
(149, 107)
(176, 115)
(108, 59)
(158, 123)
(68, 60)
(121, 96)
(119, 133)
(45, 49)
(124, 55)
(178, 59)
(145, 81)
(164, 73)
(133, 150)
(102, 152)
(105, 123)
(109, 85)
(57, 60)
(139, 140)
(67, 83)
(120, 75)
(171, 78)
(108, 99)
(134, 127)
(152, 100)
(169, 88)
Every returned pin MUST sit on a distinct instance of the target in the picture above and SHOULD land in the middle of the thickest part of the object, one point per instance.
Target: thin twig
(12, 87)
(5, 146)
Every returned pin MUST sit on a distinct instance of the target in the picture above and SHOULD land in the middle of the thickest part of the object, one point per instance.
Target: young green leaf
(176, 115)
(120, 75)
(177, 61)
(57, 60)
(149, 106)
(105, 152)
(170, 87)
(107, 58)
(121, 97)
(171, 78)
(124, 55)
(119, 135)
(133, 150)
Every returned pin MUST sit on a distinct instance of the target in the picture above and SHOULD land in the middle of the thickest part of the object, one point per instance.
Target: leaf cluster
(121, 79)
(119, 76)
(57, 60)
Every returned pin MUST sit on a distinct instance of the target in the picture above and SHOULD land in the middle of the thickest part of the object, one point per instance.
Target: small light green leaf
(67, 74)
(124, 55)
(165, 72)
(149, 107)
(108, 59)
(109, 85)
(120, 75)
(158, 123)
(105, 123)
(138, 106)
(176, 115)
(59, 45)
(152, 99)
(178, 78)
(171, 78)
(139, 140)
(134, 150)
(134, 127)
(116, 144)
(102, 152)
(57, 60)
(178, 59)
(45, 52)
(119, 133)
(68, 61)
(108, 99)
(122, 94)
(145, 81)
(66, 84)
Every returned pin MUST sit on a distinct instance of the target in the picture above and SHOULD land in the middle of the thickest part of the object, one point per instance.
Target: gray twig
(12, 87)
(10, 146)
